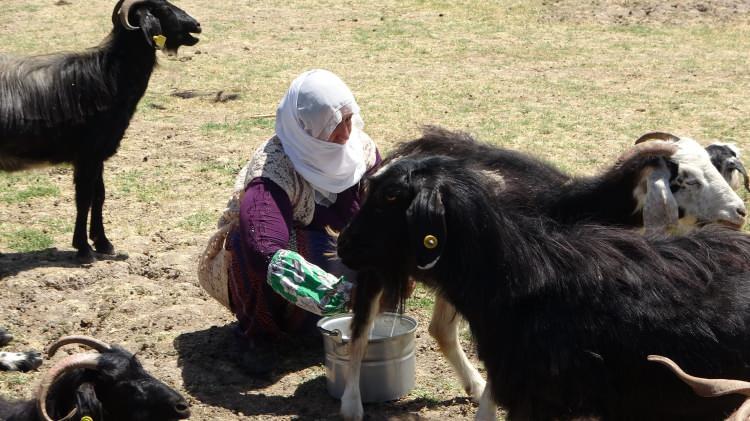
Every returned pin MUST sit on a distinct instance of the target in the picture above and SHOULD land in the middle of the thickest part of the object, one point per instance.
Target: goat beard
(396, 286)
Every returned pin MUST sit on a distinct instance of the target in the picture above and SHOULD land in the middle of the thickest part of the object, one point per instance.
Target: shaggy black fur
(563, 315)
(75, 107)
(539, 187)
(119, 389)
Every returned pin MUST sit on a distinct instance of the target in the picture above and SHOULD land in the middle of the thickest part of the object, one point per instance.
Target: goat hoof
(352, 410)
(104, 247)
(85, 256)
(476, 389)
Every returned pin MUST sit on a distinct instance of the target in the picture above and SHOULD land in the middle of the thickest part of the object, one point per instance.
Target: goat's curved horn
(89, 360)
(125, 10)
(741, 414)
(705, 387)
(669, 137)
(741, 168)
(651, 149)
(90, 342)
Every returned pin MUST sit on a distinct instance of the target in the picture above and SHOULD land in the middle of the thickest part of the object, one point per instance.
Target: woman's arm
(265, 220)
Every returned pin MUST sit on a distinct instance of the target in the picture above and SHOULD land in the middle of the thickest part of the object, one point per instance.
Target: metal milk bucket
(388, 367)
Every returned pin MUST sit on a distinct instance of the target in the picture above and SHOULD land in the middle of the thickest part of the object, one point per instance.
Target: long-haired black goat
(564, 316)
(75, 107)
(110, 385)
(655, 183)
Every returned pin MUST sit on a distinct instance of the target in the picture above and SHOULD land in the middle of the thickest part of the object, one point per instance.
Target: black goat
(111, 385)
(75, 107)
(656, 182)
(726, 158)
(17, 361)
(563, 315)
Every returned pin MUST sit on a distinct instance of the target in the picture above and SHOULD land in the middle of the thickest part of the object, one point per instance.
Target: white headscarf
(313, 106)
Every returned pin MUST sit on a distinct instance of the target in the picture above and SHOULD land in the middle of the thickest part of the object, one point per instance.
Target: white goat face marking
(699, 188)
(382, 169)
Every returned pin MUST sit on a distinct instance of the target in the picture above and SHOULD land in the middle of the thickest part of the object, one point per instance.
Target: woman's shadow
(212, 373)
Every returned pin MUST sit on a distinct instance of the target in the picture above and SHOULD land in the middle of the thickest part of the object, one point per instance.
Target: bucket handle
(334, 334)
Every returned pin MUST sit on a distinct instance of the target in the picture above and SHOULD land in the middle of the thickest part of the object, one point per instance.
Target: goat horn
(741, 168)
(646, 150)
(89, 361)
(657, 136)
(83, 340)
(705, 387)
(124, 12)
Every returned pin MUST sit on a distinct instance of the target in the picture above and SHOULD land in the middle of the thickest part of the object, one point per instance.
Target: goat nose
(182, 409)
(742, 212)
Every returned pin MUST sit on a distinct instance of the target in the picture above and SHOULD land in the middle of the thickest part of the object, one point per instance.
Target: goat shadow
(17, 262)
(211, 375)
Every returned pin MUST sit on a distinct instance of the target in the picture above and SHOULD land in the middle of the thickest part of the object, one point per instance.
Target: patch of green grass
(223, 168)
(58, 226)
(199, 221)
(240, 126)
(421, 298)
(428, 396)
(20, 188)
(146, 189)
(15, 378)
(27, 239)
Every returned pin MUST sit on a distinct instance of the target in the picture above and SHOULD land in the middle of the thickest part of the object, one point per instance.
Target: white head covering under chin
(313, 106)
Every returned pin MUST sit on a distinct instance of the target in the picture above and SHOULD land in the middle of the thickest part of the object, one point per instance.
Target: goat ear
(426, 218)
(660, 209)
(151, 28)
(87, 403)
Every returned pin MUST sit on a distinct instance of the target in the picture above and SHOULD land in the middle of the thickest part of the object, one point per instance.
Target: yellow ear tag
(430, 241)
(159, 41)
(86, 418)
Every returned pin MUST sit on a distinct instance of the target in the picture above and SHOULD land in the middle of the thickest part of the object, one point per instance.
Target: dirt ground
(174, 171)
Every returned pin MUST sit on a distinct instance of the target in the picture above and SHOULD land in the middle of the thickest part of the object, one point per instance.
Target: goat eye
(692, 183)
(391, 198)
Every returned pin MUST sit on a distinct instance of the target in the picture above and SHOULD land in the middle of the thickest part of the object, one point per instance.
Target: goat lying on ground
(726, 158)
(17, 361)
(75, 107)
(111, 385)
(655, 183)
(563, 315)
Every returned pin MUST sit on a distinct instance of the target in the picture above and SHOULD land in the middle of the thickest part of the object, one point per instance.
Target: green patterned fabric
(307, 285)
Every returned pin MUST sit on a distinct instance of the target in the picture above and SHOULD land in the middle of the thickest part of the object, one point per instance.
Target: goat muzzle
(125, 11)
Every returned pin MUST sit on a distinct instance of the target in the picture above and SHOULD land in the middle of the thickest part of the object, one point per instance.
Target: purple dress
(266, 225)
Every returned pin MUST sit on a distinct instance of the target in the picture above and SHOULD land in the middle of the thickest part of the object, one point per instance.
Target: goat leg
(84, 177)
(96, 229)
(444, 328)
(487, 407)
(366, 307)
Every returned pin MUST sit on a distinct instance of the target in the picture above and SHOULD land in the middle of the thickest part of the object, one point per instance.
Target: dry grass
(568, 81)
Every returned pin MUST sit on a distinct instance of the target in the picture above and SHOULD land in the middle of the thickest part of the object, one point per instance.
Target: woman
(302, 180)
